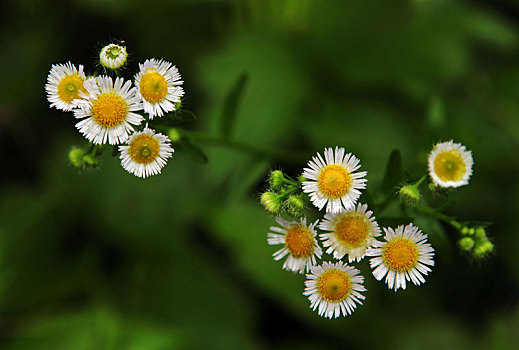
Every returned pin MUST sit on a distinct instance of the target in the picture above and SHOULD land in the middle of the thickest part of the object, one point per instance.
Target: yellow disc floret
(109, 110)
(153, 87)
(299, 241)
(334, 181)
(351, 231)
(69, 87)
(144, 149)
(334, 285)
(400, 254)
(449, 166)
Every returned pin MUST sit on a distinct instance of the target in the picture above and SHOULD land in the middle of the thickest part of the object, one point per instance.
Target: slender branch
(434, 212)
(295, 158)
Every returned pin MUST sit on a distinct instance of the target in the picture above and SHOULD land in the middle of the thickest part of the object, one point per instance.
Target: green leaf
(232, 101)
(193, 150)
(393, 175)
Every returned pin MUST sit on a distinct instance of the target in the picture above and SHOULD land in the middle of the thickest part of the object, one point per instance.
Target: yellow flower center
(449, 166)
(109, 110)
(352, 231)
(334, 285)
(144, 149)
(153, 87)
(334, 181)
(400, 254)
(299, 241)
(69, 87)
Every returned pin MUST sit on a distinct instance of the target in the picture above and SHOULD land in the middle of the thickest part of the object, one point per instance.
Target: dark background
(104, 260)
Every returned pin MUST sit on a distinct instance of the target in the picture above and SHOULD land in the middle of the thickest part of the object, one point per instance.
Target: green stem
(434, 212)
(261, 152)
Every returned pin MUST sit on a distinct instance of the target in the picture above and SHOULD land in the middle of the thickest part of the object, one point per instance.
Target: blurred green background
(104, 260)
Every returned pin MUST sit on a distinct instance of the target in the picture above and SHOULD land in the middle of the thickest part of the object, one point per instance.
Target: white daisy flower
(405, 255)
(450, 164)
(113, 56)
(64, 83)
(351, 233)
(146, 153)
(333, 180)
(108, 109)
(158, 86)
(334, 289)
(299, 243)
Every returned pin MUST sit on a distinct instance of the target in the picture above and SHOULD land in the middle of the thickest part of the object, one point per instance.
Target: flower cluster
(116, 111)
(348, 229)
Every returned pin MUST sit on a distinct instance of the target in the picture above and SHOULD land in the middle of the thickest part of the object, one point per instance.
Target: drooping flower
(333, 181)
(113, 56)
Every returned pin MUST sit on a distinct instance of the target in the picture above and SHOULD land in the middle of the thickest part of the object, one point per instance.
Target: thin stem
(261, 152)
(434, 212)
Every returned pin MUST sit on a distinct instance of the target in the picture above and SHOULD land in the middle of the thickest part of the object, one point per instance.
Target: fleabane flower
(333, 180)
(108, 109)
(64, 83)
(450, 164)
(334, 289)
(299, 243)
(352, 232)
(404, 256)
(113, 56)
(158, 85)
(146, 153)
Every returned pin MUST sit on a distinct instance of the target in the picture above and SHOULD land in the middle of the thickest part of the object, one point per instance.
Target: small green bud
(270, 202)
(480, 233)
(482, 248)
(295, 206)
(466, 243)
(471, 231)
(90, 160)
(174, 135)
(465, 230)
(75, 156)
(277, 179)
(410, 194)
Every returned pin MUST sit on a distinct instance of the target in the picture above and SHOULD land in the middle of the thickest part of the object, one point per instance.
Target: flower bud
(480, 233)
(482, 248)
(174, 135)
(113, 56)
(277, 179)
(410, 194)
(296, 206)
(271, 202)
(90, 160)
(75, 156)
(466, 243)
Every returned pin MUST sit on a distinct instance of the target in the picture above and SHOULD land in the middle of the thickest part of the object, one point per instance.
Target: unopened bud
(482, 248)
(295, 206)
(410, 194)
(270, 202)
(466, 243)
(480, 233)
(75, 156)
(277, 179)
(174, 135)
